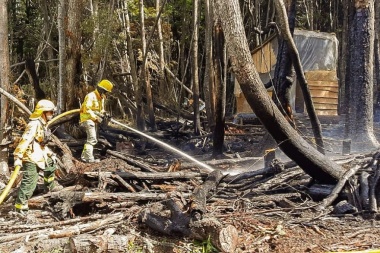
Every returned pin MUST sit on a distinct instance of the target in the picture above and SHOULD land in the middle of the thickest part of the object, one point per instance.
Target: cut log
(364, 190)
(223, 238)
(101, 243)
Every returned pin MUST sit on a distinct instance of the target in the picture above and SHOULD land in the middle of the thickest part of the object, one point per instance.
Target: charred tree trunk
(220, 88)
(360, 77)
(284, 73)
(284, 28)
(30, 68)
(208, 84)
(293, 145)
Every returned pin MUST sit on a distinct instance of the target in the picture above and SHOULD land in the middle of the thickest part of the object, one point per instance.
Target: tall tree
(359, 79)
(162, 88)
(144, 74)
(195, 66)
(73, 52)
(4, 79)
(62, 54)
(220, 90)
(208, 83)
(290, 142)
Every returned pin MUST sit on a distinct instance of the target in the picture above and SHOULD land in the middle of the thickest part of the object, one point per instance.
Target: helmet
(105, 85)
(43, 105)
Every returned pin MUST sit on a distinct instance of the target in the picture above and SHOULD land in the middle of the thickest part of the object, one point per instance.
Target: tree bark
(295, 147)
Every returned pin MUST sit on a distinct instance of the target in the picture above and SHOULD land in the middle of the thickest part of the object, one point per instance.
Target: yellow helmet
(105, 85)
(43, 105)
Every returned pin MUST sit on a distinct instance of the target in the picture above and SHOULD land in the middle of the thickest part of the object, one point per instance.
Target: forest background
(171, 52)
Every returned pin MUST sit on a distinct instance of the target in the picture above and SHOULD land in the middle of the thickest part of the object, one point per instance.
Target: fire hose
(62, 115)
(17, 168)
(10, 184)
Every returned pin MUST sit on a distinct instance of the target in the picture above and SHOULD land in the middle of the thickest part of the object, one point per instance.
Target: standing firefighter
(32, 154)
(92, 112)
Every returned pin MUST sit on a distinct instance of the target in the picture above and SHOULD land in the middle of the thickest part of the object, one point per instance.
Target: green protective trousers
(29, 182)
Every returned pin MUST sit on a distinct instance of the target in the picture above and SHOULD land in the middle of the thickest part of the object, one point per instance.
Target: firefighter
(92, 112)
(32, 154)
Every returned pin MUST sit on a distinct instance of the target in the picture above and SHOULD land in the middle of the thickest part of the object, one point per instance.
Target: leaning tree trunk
(360, 77)
(291, 143)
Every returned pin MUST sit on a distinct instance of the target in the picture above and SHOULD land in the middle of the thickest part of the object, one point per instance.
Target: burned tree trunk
(291, 143)
(359, 79)
(284, 28)
(284, 73)
(220, 87)
(30, 68)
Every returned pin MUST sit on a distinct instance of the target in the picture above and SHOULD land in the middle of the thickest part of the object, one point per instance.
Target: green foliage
(206, 246)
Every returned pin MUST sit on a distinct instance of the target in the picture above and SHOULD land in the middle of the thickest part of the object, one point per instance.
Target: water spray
(166, 146)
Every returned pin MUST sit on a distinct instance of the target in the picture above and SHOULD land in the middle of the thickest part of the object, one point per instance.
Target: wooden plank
(326, 112)
(325, 106)
(333, 101)
(327, 88)
(322, 75)
(323, 83)
(323, 94)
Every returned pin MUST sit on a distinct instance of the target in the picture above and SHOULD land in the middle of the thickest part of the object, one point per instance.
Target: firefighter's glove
(17, 162)
(54, 158)
(99, 119)
(47, 137)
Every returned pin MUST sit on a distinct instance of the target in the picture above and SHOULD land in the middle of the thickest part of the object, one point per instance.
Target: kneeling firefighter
(92, 112)
(32, 154)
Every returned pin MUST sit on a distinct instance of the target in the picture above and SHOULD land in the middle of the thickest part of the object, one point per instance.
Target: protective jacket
(32, 146)
(93, 103)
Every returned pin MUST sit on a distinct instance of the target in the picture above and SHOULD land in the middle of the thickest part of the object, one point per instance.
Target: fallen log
(201, 193)
(129, 160)
(339, 186)
(120, 197)
(148, 176)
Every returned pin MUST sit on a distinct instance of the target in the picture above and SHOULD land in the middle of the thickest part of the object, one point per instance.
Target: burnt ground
(264, 223)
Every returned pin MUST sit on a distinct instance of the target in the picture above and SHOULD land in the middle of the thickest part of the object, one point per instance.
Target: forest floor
(266, 225)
